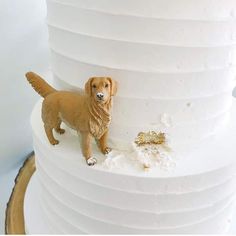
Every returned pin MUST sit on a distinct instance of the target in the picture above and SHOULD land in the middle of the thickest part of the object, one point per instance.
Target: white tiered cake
(173, 61)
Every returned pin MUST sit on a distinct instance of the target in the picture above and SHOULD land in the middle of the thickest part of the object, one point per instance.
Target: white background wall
(23, 47)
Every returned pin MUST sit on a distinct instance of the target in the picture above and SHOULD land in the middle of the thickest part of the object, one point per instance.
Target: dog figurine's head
(101, 89)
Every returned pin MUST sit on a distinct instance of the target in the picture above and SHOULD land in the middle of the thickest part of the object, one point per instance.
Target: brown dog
(88, 113)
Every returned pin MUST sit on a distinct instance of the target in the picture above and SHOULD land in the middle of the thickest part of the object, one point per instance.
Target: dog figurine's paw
(106, 150)
(54, 142)
(60, 131)
(91, 161)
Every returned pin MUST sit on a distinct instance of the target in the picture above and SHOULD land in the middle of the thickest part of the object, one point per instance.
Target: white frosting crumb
(150, 156)
(166, 120)
(143, 158)
(114, 160)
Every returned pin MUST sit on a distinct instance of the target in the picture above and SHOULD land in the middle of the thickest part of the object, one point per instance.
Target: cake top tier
(173, 61)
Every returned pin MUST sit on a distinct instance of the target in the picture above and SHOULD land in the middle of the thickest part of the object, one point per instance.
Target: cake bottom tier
(37, 223)
(194, 197)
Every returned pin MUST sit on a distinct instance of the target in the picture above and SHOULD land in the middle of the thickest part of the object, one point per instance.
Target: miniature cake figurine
(89, 114)
(172, 166)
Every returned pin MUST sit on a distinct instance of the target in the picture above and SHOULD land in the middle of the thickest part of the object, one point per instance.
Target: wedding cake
(174, 62)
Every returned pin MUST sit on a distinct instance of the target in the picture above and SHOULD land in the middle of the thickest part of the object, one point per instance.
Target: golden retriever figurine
(88, 113)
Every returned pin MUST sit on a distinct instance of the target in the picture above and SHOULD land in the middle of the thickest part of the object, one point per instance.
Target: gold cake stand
(14, 222)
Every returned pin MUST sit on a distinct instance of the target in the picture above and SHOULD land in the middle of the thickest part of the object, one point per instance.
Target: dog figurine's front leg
(86, 148)
(102, 143)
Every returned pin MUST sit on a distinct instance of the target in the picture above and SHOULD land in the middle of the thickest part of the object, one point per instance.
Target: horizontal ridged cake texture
(167, 65)
(175, 65)
(196, 198)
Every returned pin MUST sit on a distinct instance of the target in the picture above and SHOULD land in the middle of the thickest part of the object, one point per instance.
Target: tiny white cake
(174, 62)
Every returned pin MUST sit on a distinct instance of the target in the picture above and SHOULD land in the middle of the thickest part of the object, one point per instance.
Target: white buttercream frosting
(169, 68)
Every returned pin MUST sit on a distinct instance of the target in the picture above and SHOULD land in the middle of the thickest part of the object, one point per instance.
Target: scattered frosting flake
(114, 161)
(150, 156)
(152, 150)
(166, 120)
(144, 158)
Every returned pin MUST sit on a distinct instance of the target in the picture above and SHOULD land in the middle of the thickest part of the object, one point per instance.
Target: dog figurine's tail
(39, 84)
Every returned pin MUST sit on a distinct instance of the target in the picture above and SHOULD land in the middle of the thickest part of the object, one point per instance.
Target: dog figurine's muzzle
(100, 96)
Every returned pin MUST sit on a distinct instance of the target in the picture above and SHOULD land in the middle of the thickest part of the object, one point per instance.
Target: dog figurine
(86, 112)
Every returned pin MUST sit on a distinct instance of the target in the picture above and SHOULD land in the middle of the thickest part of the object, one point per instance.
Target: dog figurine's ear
(88, 86)
(113, 85)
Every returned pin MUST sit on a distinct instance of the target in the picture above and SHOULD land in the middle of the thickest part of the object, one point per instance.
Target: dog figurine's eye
(94, 86)
(106, 85)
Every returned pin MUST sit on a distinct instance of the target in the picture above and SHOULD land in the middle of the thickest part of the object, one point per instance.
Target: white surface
(23, 47)
(166, 64)
(193, 198)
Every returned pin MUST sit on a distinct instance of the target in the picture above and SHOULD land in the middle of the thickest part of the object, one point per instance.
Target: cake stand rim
(14, 214)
